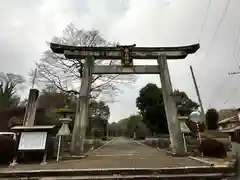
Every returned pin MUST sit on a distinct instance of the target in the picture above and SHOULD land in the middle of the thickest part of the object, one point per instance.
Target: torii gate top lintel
(179, 52)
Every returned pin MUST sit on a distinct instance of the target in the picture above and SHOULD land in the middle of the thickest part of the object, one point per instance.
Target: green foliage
(212, 118)
(184, 104)
(114, 129)
(136, 125)
(132, 124)
(142, 131)
(127, 127)
(151, 106)
(51, 98)
(99, 115)
(122, 124)
(99, 110)
(55, 101)
(8, 87)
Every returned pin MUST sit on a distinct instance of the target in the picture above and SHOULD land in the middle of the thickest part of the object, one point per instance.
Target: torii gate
(126, 54)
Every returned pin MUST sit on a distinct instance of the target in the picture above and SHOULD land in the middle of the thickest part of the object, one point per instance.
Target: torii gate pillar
(175, 134)
(81, 118)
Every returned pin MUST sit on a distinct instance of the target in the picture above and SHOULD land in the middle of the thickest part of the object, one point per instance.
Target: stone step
(141, 177)
(120, 173)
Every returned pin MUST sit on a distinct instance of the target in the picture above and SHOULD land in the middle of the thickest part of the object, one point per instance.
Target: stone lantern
(65, 112)
(64, 130)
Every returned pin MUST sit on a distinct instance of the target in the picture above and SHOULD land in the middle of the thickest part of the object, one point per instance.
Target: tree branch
(55, 69)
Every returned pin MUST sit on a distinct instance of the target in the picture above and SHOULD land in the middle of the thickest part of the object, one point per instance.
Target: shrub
(212, 148)
(7, 149)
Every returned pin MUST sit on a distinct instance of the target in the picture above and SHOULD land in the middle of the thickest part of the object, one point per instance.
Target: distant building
(231, 122)
(226, 113)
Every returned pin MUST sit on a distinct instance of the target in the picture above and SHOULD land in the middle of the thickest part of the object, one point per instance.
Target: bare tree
(55, 69)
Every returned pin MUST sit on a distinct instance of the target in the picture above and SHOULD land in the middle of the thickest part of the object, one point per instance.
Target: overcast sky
(26, 25)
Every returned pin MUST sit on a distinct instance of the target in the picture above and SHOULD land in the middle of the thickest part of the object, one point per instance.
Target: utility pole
(198, 95)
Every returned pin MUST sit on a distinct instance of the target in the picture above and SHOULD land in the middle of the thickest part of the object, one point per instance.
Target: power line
(233, 93)
(237, 56)
(218, 27)
(236, 48)
(226, 80)
(236, 51)
(205, 19)
(231, 73)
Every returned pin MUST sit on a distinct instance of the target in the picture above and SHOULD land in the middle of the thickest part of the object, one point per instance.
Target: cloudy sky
(26, 25)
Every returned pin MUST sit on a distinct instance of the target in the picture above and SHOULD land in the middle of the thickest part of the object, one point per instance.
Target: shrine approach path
(118, 153)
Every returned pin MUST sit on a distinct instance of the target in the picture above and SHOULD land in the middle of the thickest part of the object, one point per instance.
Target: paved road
(126, 153)
(119, 153)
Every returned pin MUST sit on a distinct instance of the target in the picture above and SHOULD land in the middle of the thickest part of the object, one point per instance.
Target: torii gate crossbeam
(126, 54)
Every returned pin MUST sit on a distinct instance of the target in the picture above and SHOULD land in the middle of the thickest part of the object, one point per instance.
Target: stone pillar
(176, 138)
(81, 119)
(31, 108)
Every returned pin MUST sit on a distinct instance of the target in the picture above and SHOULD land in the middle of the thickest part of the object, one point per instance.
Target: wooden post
(184, 141)
(59, 147)
(81, 119)
(176, 138)
(199, 133)
(30, 111)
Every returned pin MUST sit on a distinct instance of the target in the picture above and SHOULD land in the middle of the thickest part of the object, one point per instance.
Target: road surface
(120, 157)
(126, 153)
(118, 153)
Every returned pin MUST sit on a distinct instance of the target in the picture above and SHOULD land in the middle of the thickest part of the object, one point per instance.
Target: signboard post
(33, 138)
(32, 141)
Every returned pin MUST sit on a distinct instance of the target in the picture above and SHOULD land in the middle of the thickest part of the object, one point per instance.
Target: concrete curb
(81, 157)
(201, 160)
(209, 163)
(169, 152)
(142, 144)
(196, 159)
(95, 150)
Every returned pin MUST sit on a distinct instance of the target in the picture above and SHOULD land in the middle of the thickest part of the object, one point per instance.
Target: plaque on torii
(126, 54)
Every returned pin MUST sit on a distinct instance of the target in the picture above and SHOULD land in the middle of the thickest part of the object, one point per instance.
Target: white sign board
(32, 141)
